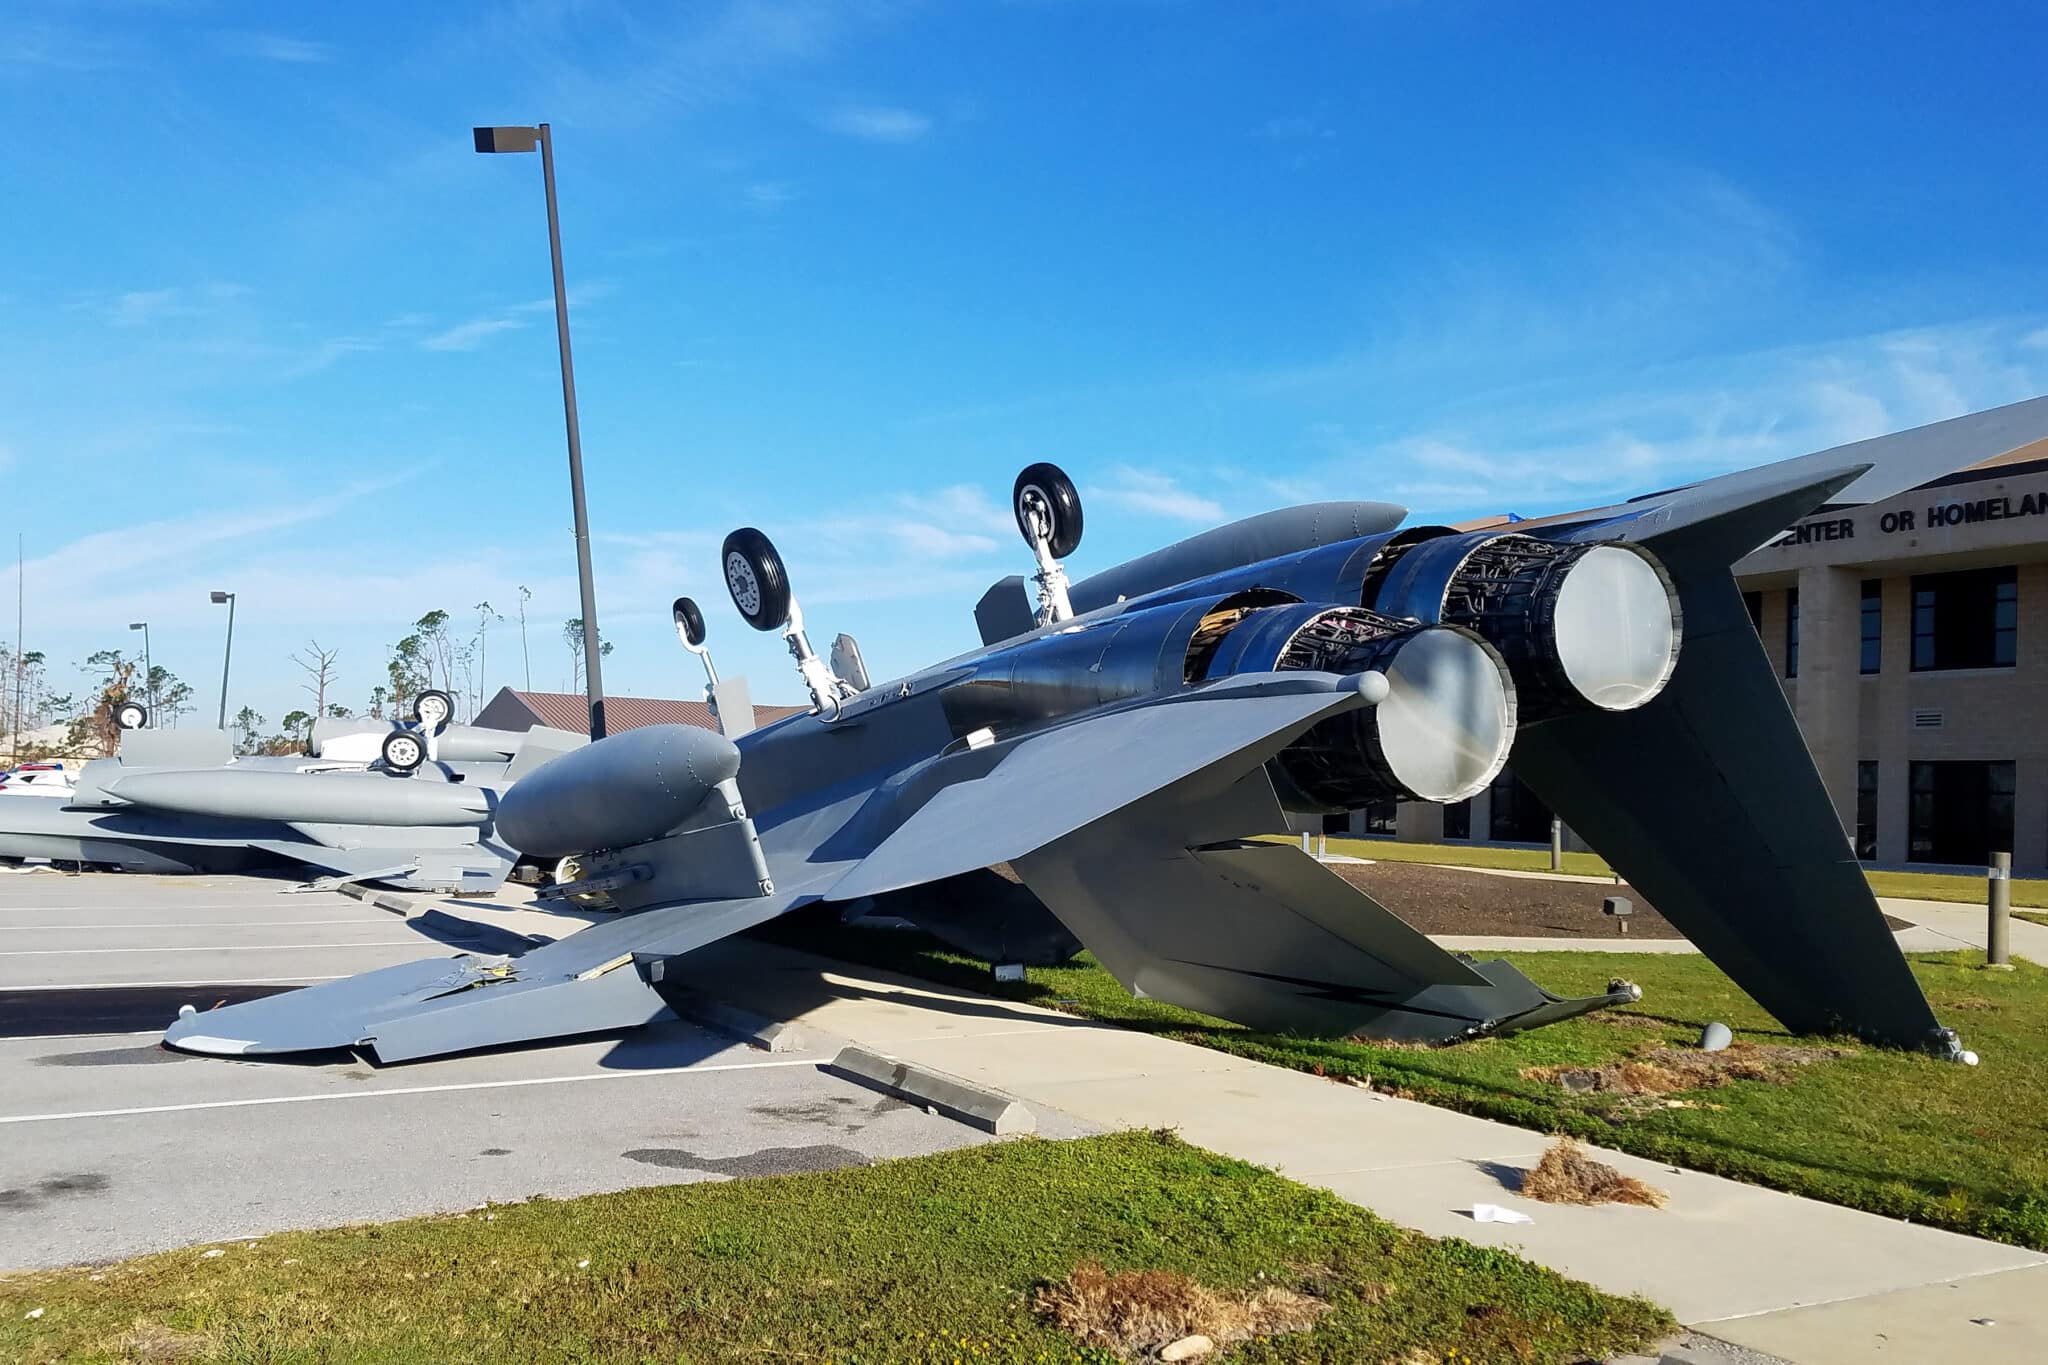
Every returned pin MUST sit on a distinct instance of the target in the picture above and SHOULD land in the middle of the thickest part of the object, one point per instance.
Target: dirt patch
(1138, 1314)
(1456, 900)
(1566, 1175)
(1666, 1070)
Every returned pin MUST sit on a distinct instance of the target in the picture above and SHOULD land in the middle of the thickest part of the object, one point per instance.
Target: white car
(36, 779)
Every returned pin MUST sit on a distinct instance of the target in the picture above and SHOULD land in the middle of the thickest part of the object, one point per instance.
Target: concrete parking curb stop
(949, 1095)
(383, 900)
(770, 1035)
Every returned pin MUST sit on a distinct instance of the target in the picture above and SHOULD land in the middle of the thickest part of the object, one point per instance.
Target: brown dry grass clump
(1566, 1175)
(152, 1343)
(1136, 1313)
(1666, 1070)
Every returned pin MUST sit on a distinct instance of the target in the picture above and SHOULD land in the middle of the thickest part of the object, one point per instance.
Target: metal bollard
(1556, 844)
(1998, 935)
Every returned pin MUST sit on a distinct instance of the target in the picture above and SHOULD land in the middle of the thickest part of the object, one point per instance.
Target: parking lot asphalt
(111, 1145)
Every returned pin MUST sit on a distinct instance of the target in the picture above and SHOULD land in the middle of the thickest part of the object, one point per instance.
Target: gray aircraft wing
(1859, 472)
(1052, 782)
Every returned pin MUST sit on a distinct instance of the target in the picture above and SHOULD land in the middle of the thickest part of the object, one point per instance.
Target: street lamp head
(510, 139)
(138, 625)
(220, 598)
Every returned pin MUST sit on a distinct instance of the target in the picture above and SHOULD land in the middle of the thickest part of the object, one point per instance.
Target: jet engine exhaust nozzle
(1580, 626)
(1441, 733)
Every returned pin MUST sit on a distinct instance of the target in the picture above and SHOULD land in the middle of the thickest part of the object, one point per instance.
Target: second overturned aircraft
(1120, 746)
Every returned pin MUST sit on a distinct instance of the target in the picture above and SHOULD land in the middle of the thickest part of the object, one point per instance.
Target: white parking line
(138, 905)
(209, 924)
(207, 981)
(408, 1090)
(212, 948)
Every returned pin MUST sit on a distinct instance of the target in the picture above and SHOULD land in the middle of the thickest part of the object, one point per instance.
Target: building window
(1872, 658)
(1753, 603)
(1379, 816)
(1959, 812)
(1517, 815)
(1966, 619)
(1458, 820)
(1866, 811)
(1792, 633)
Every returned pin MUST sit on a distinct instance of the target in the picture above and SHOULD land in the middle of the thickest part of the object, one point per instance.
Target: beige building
(1911, 636)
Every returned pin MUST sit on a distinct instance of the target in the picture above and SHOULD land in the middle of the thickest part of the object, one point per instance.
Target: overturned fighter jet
(1119, 742)
(410, 805)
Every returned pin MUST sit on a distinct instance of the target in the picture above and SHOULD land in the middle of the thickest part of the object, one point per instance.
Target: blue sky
(838, 270)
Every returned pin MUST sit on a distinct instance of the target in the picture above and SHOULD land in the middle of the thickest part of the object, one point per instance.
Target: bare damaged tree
(319, 667)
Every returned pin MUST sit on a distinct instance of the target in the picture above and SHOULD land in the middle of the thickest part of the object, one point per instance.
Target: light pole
(148, 688)
(525, 139)
(227, 655)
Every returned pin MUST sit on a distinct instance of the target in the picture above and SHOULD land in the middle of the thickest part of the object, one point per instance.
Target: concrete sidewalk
(1935, 927)
(1800, 1279)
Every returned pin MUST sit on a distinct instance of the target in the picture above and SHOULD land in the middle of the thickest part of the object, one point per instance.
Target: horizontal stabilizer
(589, 982)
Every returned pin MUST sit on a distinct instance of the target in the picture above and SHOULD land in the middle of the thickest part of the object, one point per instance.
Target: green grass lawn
(931, 1259)
(1926, 886)
(1892, 1132)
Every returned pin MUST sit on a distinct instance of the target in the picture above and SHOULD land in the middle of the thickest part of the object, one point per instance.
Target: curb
(383, 900)
(770, 1035)
(949, 1095)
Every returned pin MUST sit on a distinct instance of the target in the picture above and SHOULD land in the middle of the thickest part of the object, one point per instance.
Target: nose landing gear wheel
(131, 715)
(432, 708)
(1045, 495)
(690, 619)
(404, 751)
(755, 577)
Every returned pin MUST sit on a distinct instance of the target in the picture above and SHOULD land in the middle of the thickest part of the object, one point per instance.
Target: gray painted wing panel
(1870, 470)
(1052, 784)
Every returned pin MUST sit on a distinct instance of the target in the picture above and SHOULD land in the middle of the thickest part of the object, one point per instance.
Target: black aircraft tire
(1051, 485)
(447, 704)
(411, 750)
(691, 619)
(131, 715)
(756, 579)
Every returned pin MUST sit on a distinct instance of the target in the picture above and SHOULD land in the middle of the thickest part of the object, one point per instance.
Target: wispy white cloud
(1152, 493)
(467, 336)
(1559, 446)
(275, 47)
(878, 123)
(658, 65)
(140, 307)
(59, 47)
(769, 195)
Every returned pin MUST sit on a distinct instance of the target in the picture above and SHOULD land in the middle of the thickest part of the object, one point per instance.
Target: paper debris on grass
(1494, 1213)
